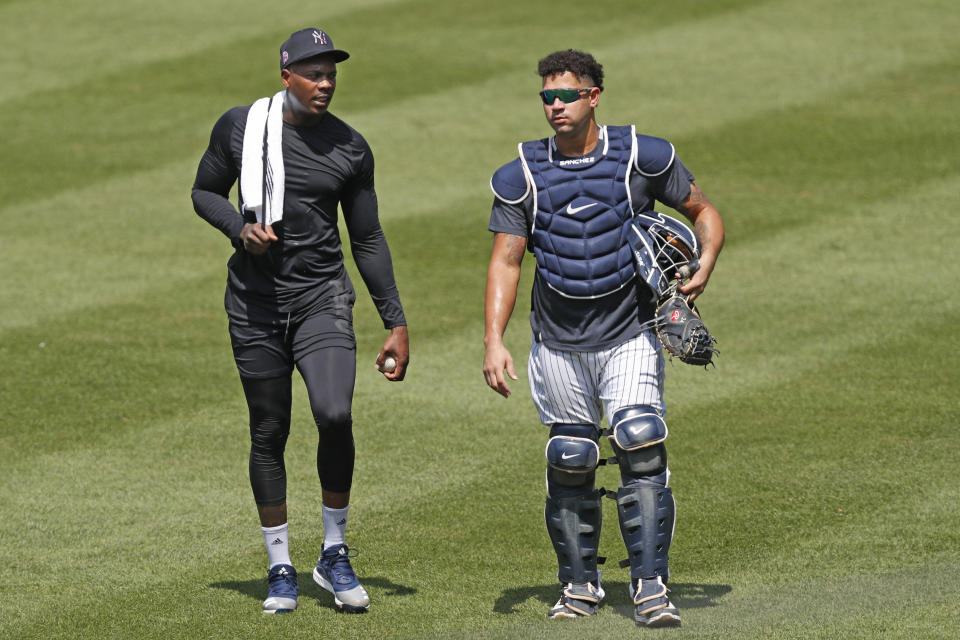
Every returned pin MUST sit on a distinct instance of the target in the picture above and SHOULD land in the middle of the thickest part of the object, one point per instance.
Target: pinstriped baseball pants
(580, 387)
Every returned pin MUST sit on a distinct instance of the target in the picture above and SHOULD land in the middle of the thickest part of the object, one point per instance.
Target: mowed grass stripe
(835, 157)
(469, 510)
(446, 398)
(754, 542)
(797, 258)
(786, 160)
(834, 450)
(107, 244)
(99, 207)
(849, 257)
(64, 229)
(774, 55)
(845, 291)
(132, 119)
(159, 504)
(751, 360)
(448, 135)
(120, 35)
(483, 585)
(117, 134)
(761, 472)
(116, 355)
(439, 413)
(81, 41)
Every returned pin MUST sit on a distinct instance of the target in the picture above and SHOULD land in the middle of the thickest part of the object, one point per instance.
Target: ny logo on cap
(319, 37)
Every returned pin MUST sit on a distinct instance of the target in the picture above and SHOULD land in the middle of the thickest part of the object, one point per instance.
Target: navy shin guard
(574, 526)
(646, 515)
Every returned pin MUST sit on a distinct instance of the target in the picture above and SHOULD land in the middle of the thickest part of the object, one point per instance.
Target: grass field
(815, 468)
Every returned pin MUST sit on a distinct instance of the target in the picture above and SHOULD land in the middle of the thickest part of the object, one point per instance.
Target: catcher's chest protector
(582, 214)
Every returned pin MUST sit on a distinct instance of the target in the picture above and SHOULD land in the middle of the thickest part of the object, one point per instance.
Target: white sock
(278, 544)
(334, 526)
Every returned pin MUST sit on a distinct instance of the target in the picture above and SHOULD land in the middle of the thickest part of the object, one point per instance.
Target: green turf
(814, 469)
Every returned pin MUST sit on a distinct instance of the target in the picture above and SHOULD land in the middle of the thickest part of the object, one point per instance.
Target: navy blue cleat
(334, 573)
(283, 591)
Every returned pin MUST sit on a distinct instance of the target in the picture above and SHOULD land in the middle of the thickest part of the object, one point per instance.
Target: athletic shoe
(578, 600)
(283, 591)
(654, 608)
(334, 573)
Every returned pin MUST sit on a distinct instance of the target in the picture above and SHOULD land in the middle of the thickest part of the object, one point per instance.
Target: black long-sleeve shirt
(325, 165)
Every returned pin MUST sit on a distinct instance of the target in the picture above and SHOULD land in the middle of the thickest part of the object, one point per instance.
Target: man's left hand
(698, 281)
(396, 346)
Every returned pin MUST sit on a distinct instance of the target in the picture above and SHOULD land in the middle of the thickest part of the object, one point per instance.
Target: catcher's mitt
(682, 332)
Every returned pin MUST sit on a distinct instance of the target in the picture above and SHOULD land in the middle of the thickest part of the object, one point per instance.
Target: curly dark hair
(579, 63)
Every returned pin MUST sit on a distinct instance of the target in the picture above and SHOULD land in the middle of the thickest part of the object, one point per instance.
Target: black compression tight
(269, 403)
(329, 376)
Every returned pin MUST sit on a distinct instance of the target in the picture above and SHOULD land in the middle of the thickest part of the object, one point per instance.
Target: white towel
(261, 187)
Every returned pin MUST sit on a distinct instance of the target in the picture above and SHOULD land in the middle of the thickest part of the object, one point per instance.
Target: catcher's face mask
(663, 247)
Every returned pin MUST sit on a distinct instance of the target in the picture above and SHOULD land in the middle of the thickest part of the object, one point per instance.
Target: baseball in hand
(389, 364)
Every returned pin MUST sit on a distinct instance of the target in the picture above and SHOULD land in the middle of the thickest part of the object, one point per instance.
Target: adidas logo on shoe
(283, 591)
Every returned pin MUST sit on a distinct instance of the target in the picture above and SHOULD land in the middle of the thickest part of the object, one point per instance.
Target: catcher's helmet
(671, 248)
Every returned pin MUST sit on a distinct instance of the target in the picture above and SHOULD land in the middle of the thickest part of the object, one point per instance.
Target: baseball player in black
(289, 299)
(571, 200)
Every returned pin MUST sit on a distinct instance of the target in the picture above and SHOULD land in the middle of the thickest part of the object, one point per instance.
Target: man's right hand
(256, 238)
(497, 360)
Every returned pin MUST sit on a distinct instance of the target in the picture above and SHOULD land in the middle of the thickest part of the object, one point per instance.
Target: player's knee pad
(646, 514)
(268, 477)
(638, 426)
(573, 523)
(637, 438)
(268, 434)
(269, 429)
(572, 456)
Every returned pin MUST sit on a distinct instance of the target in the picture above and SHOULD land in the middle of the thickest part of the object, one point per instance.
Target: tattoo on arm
(709, 227)
(694, 202)
(516, 247)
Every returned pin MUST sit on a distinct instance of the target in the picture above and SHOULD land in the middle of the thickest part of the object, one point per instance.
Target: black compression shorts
(269, 350)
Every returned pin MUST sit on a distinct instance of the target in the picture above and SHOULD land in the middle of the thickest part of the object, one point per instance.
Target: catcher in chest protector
(612, 292)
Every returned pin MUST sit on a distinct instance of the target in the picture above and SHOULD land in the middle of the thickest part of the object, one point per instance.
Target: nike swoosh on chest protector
(572, 209)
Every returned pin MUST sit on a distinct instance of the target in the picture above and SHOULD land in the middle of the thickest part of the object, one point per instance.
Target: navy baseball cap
(307, 43)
